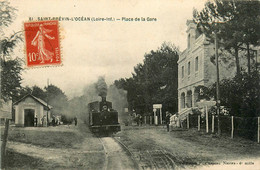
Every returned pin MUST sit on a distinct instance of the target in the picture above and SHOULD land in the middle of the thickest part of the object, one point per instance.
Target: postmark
(42, 43)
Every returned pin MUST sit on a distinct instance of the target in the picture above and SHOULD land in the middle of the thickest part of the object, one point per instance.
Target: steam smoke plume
(101, 87)
(78, 106)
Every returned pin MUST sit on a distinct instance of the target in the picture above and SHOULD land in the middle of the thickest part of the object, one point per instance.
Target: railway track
(145, 160)
(116, 157)
(154, 159)
(150, 159)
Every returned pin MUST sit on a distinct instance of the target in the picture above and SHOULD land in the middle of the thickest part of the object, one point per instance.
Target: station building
(195, 68)
(31, 111)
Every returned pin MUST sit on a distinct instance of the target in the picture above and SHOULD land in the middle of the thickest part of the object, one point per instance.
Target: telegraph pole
(217, 83)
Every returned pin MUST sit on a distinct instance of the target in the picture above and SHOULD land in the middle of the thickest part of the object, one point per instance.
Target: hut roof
(42, 102)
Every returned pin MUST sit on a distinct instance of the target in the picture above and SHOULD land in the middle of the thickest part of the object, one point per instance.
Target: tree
(7, 14)
(132, 89)
(162, 76)
(7, 44)
(249, 24)
(23, 92)
(38, 92)
(57, 98)
(10, 78)
(236, 23)
(241, 94)
(10, 68)
(153, 81)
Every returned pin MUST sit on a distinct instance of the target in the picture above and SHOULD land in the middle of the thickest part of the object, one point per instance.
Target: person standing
(76, 121)
(35, 121)
(140, 120)
(137, 119)
(53, 121)
(42, 119)
(168, 116)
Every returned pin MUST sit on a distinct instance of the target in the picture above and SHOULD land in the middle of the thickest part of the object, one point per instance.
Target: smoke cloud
(101, 86)
(118, 97)
(78, 106)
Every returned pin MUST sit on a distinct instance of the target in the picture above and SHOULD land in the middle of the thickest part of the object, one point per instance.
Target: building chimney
(191, 32)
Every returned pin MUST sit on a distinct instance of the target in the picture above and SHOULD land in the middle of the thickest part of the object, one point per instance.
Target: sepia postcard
(134, 84)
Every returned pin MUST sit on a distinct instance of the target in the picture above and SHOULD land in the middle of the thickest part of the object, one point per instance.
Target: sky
(102, 48)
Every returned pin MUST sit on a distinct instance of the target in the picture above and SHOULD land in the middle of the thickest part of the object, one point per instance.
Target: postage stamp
(42, 43)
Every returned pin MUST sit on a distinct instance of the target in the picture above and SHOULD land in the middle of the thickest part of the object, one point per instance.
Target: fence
(146, 120)
(246, 127)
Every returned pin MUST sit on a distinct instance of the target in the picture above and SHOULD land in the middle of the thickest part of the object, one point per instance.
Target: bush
(241, 94)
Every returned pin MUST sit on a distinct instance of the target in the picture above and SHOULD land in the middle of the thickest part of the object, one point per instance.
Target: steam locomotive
(102, 118)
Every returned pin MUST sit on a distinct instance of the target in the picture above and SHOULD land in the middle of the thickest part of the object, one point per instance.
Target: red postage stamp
(42, 43)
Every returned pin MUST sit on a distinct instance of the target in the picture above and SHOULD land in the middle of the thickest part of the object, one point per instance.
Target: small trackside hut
(102, 118)
(31, 111)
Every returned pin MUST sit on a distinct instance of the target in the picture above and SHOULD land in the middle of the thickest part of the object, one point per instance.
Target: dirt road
(155, 148)
(147, 148)
(90, 153)
(57, 158)
(112, 156)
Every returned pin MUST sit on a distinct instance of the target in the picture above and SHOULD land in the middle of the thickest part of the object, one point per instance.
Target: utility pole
(217, 83)
(256, 59)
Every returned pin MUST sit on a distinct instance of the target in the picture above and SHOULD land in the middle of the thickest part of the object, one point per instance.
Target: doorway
(28, 117)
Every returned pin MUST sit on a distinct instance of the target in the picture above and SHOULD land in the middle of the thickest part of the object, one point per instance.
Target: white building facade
(31, 111)
(194, 67)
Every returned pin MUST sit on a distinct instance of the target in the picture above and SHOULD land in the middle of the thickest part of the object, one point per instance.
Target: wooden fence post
(3, 147)
(213, 126)
(145, 119)
(151, 120)
(198, 122)
(258, 138)
(188, 122)
(207, 120)
(232, 126)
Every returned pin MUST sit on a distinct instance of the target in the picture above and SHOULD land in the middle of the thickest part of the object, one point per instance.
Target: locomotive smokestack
(103, 99)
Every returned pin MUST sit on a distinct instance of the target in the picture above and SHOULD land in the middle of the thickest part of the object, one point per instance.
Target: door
(28, 117)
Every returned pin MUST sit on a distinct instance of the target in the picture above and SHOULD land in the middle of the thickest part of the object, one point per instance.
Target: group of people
(172, 120)
(136, 118)
(54, 121)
